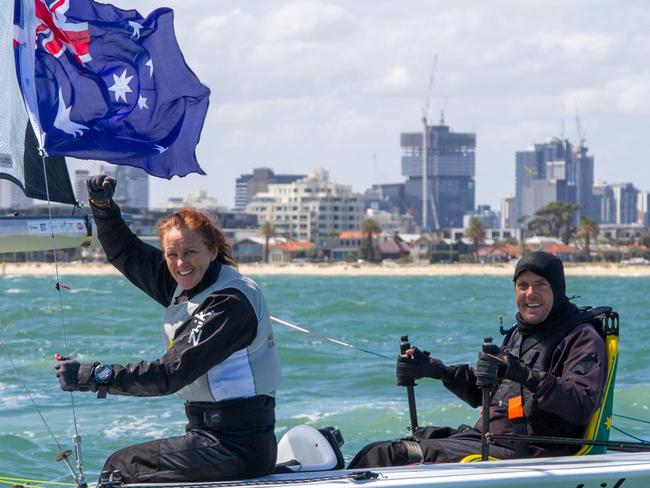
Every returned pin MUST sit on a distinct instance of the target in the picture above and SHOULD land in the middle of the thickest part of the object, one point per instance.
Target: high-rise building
(132, 190)
(387, 197)
(617, 203)
(79, 185)
(643, 208)
(484, 214)
(310, 207)
(625, 197)
(604, 203)
(553, 171)
(508, 216)
(450, 171)
(249, 185)
(12, 197)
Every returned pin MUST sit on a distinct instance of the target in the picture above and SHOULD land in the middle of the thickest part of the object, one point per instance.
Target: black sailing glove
(517, 371)
(74, 376)
(100, 190)
(489, 369)
(420, 365)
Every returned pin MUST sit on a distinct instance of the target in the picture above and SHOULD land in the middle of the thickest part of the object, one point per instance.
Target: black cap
(548, 267)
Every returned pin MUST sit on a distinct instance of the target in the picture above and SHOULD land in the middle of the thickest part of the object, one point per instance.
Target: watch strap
(102, 391)
(85, 380)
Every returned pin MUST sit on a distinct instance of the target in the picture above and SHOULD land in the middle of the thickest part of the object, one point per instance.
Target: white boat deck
(624, 470)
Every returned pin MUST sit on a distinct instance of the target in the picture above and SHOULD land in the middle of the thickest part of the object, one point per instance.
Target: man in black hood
(552, 365)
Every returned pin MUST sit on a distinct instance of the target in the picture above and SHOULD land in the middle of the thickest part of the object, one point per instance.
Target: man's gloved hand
(491, 368)
(418, 365)
(519, 372)
(74, 376)
(100, 190)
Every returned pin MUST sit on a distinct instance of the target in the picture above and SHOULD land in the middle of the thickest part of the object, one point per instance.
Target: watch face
(103, 373)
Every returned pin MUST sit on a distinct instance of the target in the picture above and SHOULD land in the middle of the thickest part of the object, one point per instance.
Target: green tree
(369, 228)
(475, 231)
(588, 228)
(554, 220)
(644, 240)
(267, 231)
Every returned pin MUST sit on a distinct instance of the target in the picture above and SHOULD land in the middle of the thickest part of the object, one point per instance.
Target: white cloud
(391, 80)
(295, 81)
(306, 21)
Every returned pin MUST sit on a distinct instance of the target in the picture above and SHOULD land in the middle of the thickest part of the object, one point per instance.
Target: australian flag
(105, 83)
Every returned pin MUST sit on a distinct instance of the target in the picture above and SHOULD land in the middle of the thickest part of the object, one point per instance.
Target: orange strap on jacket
(515, 408)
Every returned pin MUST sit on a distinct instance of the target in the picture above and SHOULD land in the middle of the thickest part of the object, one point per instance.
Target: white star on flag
(121, 86)
(136, 30)
(62, 120)
(142, 102)
(150, 64)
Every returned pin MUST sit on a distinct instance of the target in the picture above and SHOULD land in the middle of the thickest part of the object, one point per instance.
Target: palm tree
(476, 232)
(554, 220)
(587, 228)
(267, 231)
(370, 228)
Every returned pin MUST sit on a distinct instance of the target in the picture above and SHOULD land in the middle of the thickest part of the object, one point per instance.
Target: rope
(29, 394)
(31, 483)
(631, 418)
(25, 480)
(79, 478)
(330, 339)
(58, 283)
(630, 435)
(15, 484)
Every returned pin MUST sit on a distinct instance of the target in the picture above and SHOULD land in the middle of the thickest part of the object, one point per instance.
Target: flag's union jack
(59, 33)
(105, 83)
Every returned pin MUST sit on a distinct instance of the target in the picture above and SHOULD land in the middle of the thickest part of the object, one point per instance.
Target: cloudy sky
(328, 83)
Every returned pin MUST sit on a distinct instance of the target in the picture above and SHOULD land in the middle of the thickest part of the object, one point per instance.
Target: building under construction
(450, 172)
(554, 171)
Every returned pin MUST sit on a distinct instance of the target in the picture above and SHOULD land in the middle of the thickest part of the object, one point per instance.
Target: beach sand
(342, 269)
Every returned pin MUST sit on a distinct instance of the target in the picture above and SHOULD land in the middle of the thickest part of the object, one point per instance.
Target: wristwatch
(103, 375)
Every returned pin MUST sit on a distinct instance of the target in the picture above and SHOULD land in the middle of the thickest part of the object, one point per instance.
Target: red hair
(200, 222)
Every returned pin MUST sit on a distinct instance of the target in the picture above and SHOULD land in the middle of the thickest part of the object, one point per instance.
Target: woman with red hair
(220, 353)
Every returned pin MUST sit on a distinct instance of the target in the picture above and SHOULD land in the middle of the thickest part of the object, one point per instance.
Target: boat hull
(628, 470)
(25, 234)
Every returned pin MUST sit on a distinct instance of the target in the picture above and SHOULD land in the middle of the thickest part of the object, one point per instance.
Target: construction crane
(581, 135)
(425, 150)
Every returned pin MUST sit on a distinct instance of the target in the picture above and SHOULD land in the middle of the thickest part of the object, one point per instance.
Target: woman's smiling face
(187, 256)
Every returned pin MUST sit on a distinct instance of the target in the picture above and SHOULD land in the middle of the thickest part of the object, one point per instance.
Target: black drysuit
(572, 374)
(230, 439)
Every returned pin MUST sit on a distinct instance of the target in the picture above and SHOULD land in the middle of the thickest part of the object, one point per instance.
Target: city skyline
(304, 84)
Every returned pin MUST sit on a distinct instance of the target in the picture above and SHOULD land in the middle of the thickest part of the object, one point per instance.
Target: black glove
(100, 190)
(421, 365)
(74, 376)
(517, 371)
(489, 369)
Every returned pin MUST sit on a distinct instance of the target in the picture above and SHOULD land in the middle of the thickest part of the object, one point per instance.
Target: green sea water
(107, 319)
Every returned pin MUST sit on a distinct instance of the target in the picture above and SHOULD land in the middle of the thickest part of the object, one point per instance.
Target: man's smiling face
(533, 296)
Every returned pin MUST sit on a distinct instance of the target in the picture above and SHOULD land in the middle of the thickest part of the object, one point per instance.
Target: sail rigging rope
(62, 454)
(7, 480)
(58, 283)
(631, 418)
(29, 394)
(330, 339)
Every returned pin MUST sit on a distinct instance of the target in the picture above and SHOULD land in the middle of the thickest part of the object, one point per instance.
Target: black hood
(550, 268)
